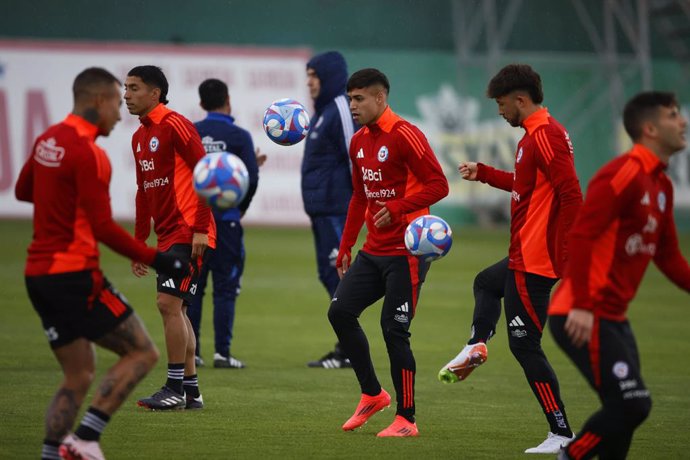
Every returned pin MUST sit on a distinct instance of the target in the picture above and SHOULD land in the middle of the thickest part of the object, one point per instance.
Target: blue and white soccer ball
(221, 179)
(286, 122)
(428, 237)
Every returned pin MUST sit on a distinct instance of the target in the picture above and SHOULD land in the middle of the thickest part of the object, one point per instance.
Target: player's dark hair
(89, 79)
(152, 76)
(213, 94)
(643, 107)
(516, 77)
(368, 77)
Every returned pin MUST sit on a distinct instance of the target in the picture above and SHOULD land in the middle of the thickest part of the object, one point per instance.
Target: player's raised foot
(194, 403)
(551, 445)
(460, 367)
(368, 406)
(401, 427)
(164, 399)
(332, 360)
(230, 362)
(74, 448)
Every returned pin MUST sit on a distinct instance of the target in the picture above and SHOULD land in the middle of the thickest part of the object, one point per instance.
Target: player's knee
(339, 316)
(480, 281)
(637, 410)
(168, 306)
(80, 380)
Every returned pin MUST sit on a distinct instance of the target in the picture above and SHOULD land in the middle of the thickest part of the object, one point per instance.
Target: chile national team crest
(383, 154)
(153, 144)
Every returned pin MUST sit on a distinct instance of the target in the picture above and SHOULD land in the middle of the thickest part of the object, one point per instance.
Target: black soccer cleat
(164, 399)
(332, 360)
(194, 403)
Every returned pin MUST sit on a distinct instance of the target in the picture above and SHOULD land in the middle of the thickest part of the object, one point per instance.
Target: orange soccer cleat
(401, 427)
(368, 406)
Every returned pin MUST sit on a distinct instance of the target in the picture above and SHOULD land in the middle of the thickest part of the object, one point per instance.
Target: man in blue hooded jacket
(326, 172)
(219, 133)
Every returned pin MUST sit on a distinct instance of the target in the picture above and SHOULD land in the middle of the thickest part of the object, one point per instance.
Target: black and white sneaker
(221, 362)
(164, 399)
(194, 403)
(332, 360)
(199, 361)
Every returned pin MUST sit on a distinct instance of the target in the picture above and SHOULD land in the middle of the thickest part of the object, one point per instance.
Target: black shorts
(183, 288)
(76, 304)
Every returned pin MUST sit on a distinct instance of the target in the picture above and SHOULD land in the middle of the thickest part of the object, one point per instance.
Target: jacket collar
(84, 128)
(386, 121)
(155, 116)
(217, 116)
(537, 119)
(650, 162)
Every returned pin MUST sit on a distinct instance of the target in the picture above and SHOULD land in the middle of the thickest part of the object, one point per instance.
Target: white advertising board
(36, 92)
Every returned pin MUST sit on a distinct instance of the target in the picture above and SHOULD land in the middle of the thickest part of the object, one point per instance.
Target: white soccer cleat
(551, 445)
(74, 448)
(460, 367)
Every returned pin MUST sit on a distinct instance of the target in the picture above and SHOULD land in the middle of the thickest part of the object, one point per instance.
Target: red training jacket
(166, 149)
(626, 221)
(546, 196)
(393, 163)
(67, 177)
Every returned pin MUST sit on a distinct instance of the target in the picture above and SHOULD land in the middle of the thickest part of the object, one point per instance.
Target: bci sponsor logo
(147, 165)
(371, 175)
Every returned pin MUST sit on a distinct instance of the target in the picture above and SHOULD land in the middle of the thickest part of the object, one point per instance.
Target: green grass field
(278, 408)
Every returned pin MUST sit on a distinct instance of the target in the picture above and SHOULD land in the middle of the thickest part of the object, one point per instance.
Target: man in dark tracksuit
(326, 172)
(219, 133)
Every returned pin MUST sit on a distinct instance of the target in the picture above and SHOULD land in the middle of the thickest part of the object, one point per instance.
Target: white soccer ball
(286, 122)
(428, 237)
(221, 179)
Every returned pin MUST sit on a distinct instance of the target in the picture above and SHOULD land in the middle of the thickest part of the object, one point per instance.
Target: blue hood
(331, 69)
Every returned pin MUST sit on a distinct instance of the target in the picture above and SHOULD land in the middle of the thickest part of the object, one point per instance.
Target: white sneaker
(551, 445)
(460, 367)
(74, 448)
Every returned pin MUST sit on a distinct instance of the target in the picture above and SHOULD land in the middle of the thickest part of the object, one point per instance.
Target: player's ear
(648, 128)
(156, 94)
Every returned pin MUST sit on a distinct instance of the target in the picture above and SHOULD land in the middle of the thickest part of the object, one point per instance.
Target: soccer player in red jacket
(395, 178)
(545, 199)
(67, 177)
(625, 222)
(166, 148)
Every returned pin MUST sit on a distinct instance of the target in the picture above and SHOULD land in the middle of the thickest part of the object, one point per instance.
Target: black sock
(92, 425)
(50, 450)
(482, 331)
(175, 374)
(191, 386)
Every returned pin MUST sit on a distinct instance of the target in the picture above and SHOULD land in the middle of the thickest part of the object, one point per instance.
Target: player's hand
(383, 217)
(139, 269)
(172, 265)
(199, 245)
(260, 158)
(579, 325)
(344, 265)
(468, 170)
